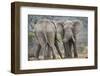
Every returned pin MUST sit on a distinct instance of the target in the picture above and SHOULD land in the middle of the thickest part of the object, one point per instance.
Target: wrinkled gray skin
(45, 34)
(59, 38)
(70, 30)
(56, 38)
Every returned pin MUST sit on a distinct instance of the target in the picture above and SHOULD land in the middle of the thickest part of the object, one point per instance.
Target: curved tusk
(73, 38)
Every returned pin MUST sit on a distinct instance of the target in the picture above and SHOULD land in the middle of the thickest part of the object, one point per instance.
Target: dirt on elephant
(62, 30)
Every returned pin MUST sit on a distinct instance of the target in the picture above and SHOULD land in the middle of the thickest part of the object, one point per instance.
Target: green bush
(31, 36)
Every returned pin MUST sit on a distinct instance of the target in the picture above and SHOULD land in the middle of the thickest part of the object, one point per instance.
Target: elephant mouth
(66, 40)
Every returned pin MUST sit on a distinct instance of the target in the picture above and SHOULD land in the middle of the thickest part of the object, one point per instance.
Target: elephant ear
(60, 24)
(76, 26)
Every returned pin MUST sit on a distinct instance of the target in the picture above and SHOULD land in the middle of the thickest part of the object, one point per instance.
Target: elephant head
(71, 29)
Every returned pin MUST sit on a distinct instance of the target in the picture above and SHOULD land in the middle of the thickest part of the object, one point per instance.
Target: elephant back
(44, 25)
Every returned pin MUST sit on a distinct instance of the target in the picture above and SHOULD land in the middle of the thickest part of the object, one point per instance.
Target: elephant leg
(58, 49)
(55, 52)
(41, 43)
(49, 55)
(66, 54)
(74, 46)
(70, 47)
(75, 50)
(48, 52)
(67, 50)
(38, 51)
(51, 41)
(59, 44)
(53, 56)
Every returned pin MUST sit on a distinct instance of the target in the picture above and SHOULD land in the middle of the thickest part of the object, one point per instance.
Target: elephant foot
(68, 56)
(76, 56)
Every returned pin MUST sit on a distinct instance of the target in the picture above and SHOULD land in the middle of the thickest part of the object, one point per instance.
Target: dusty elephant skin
(71, 28)
(56, 37)
(45, 34)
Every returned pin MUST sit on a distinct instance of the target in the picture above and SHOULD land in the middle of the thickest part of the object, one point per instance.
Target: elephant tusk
(73, 38)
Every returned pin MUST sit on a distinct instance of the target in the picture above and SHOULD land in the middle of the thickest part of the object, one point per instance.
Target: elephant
(56, 38)
(59, 38)
(45, 32)
(70, 29)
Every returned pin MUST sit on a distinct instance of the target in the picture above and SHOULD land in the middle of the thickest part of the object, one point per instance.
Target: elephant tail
(55, 30)
(54, 26)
